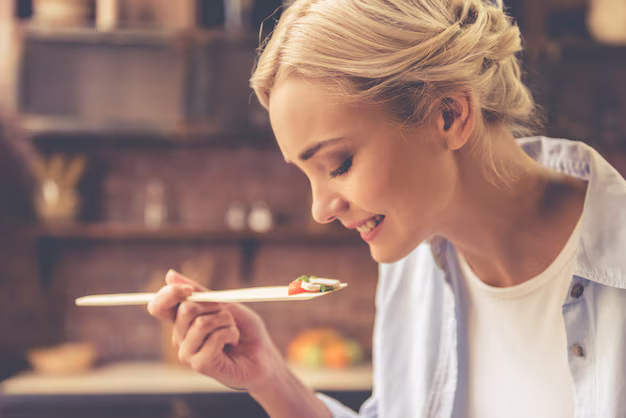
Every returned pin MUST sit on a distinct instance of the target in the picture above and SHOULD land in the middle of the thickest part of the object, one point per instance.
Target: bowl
(62, 360)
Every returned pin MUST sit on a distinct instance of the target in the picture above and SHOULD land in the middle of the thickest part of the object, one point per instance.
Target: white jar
(235, 216)
(60, 13)
(260, 217)
(107, 13)
(606, 21)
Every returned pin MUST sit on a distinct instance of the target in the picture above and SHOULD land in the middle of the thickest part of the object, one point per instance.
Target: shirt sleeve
(369, 409)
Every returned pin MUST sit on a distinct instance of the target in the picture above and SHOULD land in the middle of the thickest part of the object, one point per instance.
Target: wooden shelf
(38, 125)
(89, 35)
(585, 49)
(248, 242)
(204, 100)
(47, 130)
(128, 36)
(120, 232)
(159, 378)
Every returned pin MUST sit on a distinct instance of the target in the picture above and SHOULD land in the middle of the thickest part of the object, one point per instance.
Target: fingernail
(171, 272)
(187, 289)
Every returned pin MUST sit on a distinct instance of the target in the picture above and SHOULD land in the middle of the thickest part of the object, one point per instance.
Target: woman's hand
(225, 341)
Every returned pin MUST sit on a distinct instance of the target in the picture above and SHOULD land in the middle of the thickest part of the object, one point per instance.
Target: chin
(400, 245)
(388, 254)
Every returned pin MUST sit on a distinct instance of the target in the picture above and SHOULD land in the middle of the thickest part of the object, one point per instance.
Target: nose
(326, 209)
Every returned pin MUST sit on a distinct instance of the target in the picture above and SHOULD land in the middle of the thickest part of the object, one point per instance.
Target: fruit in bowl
(324, 347)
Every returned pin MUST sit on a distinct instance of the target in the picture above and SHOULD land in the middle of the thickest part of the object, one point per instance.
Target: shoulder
(603, 225)
(559, 154)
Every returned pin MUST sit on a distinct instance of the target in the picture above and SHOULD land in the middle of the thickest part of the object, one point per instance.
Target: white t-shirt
(517, 359)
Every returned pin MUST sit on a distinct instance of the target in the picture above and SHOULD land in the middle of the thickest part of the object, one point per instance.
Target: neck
(510, 233)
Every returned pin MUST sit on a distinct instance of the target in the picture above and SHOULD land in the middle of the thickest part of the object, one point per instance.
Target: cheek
(422, 192)
(369, 190)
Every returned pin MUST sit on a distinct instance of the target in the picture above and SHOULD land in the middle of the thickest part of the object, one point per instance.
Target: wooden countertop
(145, 378)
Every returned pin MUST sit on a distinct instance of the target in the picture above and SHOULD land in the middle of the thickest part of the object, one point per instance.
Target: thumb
(174, 277)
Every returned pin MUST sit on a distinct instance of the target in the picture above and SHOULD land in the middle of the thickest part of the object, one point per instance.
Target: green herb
(322, 288)
(304, 278)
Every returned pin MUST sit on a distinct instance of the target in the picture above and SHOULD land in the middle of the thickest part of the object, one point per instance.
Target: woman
(501, 289)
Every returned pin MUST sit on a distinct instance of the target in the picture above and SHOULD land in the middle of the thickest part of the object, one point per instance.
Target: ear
(455, 121)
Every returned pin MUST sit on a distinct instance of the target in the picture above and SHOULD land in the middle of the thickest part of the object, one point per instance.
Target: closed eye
(343, 168)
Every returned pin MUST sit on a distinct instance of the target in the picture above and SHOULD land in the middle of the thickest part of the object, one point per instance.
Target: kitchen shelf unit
(180, 86)
(57, 133)
(248, 241)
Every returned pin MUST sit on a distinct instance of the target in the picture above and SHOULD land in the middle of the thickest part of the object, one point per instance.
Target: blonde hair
(407, 54)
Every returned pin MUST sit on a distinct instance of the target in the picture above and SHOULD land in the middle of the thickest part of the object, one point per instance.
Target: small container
(155, 209)
(56, 205)
(606, 21)
(107, 13)
(57, 200)
(60, 13)
(235, 216)
(238, 15)
(260, 217)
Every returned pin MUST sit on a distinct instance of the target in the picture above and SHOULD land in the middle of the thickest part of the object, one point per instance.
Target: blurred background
(132, 144)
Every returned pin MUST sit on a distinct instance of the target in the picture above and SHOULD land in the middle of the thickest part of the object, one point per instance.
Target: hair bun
(408, 54)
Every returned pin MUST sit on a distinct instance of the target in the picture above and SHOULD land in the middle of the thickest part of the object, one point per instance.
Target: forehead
(304, 112)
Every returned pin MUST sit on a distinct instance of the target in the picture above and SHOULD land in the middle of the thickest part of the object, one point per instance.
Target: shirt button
(577, 350)
(577, 290)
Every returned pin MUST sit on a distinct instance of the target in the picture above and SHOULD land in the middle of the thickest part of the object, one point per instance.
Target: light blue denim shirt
(419, 349)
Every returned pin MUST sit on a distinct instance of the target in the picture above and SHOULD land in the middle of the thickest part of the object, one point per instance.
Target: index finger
(174, 277)
(165, 303)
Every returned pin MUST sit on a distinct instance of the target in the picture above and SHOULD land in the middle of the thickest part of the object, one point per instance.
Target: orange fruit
(336, 354)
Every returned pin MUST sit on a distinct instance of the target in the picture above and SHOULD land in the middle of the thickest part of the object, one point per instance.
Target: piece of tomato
(295, 287)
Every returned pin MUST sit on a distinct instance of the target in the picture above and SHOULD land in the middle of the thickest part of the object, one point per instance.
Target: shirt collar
(601, 252)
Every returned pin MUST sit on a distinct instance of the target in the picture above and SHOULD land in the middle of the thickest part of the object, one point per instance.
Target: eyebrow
(308, 153)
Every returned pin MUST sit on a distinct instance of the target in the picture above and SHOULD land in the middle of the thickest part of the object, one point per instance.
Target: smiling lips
(366, 227)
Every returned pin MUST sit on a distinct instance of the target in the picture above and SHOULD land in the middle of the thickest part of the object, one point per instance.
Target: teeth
(370, 224)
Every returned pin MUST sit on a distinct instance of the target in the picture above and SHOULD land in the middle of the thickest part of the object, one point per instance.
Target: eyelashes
(343, 168)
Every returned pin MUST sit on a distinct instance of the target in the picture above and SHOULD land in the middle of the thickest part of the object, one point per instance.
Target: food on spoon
(312, 284)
